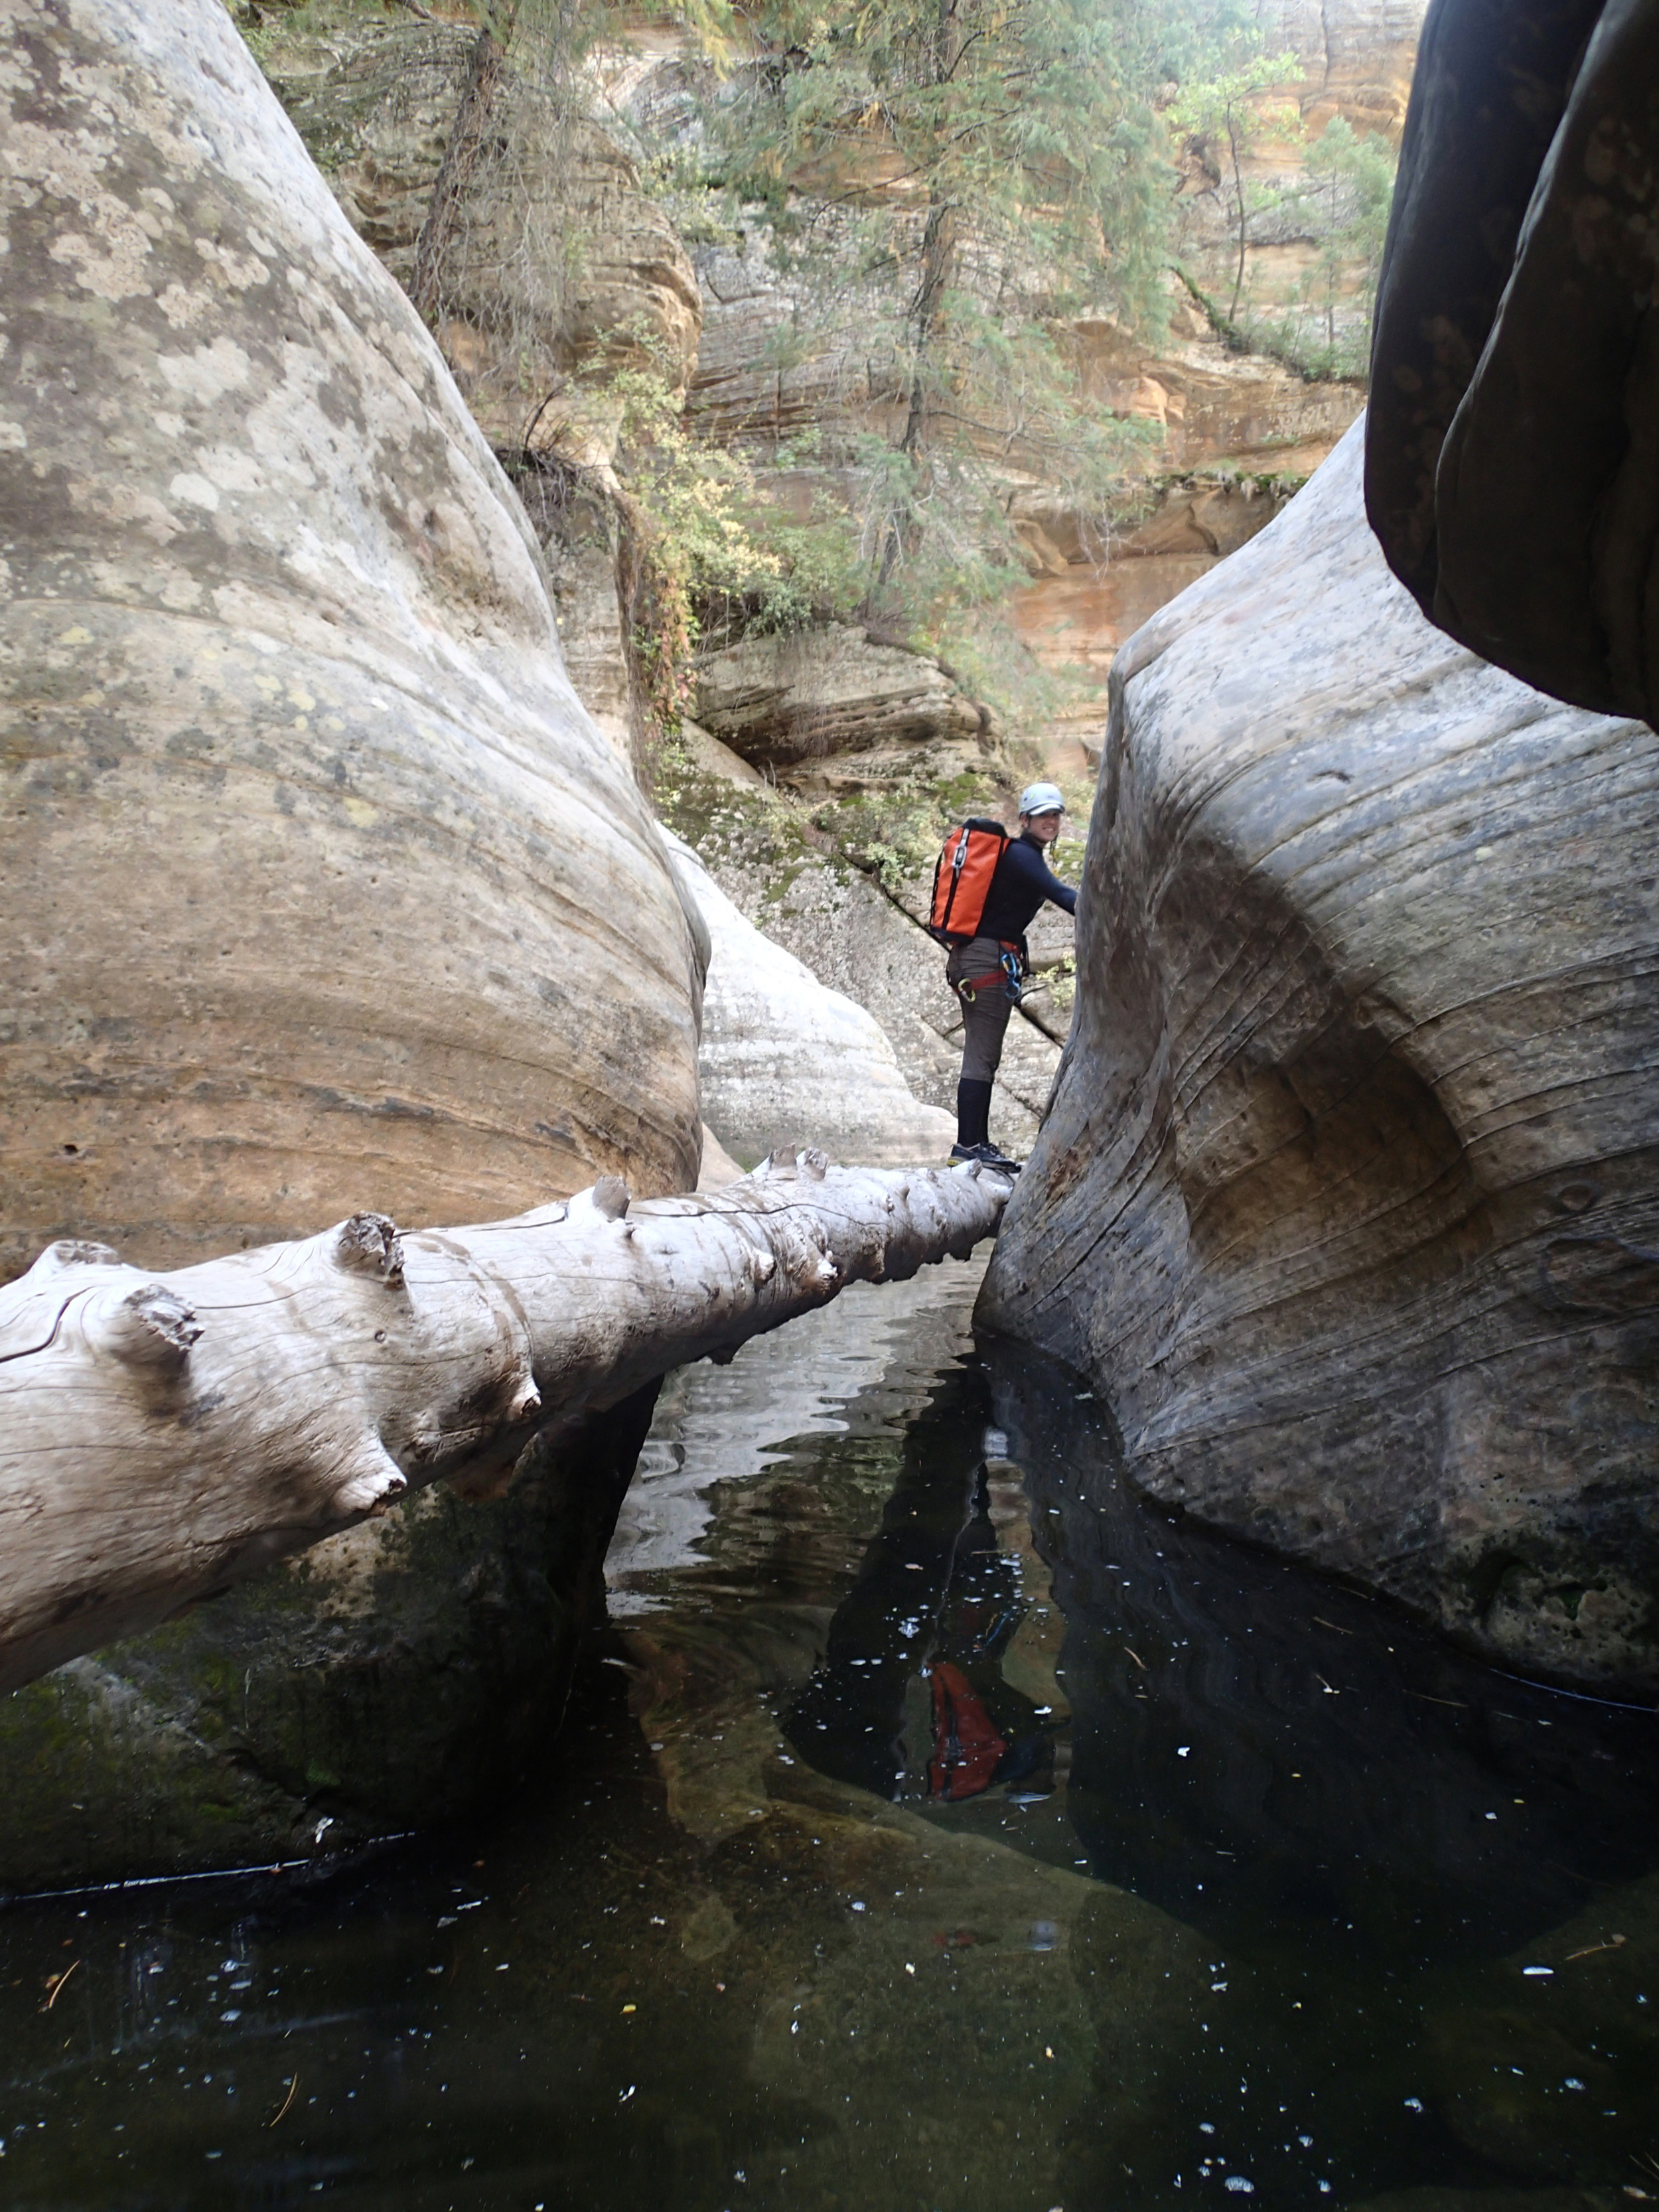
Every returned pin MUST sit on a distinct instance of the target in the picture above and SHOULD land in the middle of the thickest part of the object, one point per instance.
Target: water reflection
(936, 1603)
(941, 1828)
(1255, 1747)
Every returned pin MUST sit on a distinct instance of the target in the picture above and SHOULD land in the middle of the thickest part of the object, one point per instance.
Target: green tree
(1218, 114)
(1349, 178)
(956, 182)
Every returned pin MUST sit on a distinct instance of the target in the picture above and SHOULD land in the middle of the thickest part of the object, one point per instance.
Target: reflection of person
(934, 1597)
(985, 1732)
(985, 974)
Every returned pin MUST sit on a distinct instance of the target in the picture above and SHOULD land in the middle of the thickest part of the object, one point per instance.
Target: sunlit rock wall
(322, 891)
(1348, 1195)
(1356, 56)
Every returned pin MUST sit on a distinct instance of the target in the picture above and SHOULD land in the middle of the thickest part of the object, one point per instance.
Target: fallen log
(163, 1437)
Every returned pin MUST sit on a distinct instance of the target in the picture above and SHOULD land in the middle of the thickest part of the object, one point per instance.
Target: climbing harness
(1008, 974)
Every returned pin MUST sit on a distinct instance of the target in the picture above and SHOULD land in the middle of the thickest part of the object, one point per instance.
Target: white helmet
(1041, 798)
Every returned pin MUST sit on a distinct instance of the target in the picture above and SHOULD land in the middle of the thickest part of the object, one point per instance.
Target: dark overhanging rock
(1513, 458)
(1346, 1196)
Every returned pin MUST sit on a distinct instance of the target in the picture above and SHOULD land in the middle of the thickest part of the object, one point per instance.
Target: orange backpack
(966, 1746)
(962, 879)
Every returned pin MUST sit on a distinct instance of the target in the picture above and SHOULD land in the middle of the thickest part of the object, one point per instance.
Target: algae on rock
(385, 1679)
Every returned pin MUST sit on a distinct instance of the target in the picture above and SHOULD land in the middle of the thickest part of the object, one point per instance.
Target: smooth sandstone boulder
(784, 1057)
(324, 891)
(1347, 1196)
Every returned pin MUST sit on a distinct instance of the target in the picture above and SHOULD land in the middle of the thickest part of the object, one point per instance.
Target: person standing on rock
(986, 973)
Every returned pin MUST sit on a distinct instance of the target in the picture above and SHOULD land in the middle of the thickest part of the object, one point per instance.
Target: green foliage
(1351, 176)
(689, 502)
(1339, 206)
(946, 187)
(1218, 113)
(1033, 119)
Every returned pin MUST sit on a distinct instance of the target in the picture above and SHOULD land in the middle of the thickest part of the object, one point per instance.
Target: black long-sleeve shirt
(1022, 881)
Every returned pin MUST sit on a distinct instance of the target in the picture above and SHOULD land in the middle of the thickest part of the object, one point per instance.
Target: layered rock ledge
(1348, 1196)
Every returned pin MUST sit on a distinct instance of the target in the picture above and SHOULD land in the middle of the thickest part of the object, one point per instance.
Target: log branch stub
(163, 1437)
(369, 1245)
(610, 1197)
(152, 1328)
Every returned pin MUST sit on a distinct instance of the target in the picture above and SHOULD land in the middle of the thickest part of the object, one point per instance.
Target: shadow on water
(941, 1828)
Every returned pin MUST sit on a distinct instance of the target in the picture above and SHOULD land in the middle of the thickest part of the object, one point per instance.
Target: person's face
(1045, 828)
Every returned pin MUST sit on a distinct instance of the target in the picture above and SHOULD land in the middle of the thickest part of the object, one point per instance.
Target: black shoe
(988, 1155)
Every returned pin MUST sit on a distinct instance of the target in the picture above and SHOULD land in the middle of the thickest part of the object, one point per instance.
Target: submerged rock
(384, 1680)
(1347, 1193)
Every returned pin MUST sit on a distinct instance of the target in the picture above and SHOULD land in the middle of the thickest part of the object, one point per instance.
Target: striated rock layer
(1348, 1193)
(324, 891)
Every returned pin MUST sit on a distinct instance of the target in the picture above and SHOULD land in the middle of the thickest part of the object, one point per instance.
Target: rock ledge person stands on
(985, 974)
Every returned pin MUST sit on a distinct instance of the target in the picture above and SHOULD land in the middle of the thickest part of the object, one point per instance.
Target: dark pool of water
(939, 1827)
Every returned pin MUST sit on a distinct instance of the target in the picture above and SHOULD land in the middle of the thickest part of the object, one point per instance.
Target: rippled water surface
(939, 1828)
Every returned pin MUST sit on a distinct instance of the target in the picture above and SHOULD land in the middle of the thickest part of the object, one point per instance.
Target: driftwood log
(163, 1436)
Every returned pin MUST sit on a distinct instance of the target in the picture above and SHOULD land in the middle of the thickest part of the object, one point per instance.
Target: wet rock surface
(1509, 476)
(1346, 1198)
(691, 1960)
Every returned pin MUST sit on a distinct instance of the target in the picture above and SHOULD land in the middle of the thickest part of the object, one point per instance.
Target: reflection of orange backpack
(962, 879)
(966, 1748)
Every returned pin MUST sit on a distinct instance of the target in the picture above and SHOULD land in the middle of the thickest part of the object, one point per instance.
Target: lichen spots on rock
(221, 453)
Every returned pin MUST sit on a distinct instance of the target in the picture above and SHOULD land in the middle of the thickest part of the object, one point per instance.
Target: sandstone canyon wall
(1347, 1193)
(1511, 473)
(323, 891)
(783, 1057)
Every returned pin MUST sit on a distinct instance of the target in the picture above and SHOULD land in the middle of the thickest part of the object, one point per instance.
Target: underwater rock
(326, 893)
(387, 1680)
(1347, 1193)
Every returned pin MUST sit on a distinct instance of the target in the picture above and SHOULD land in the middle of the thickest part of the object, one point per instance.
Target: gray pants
(985, 1014)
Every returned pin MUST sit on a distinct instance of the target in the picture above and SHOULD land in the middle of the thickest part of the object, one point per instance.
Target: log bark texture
(1349, 1195)
(322, 889)
(163, 1436)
